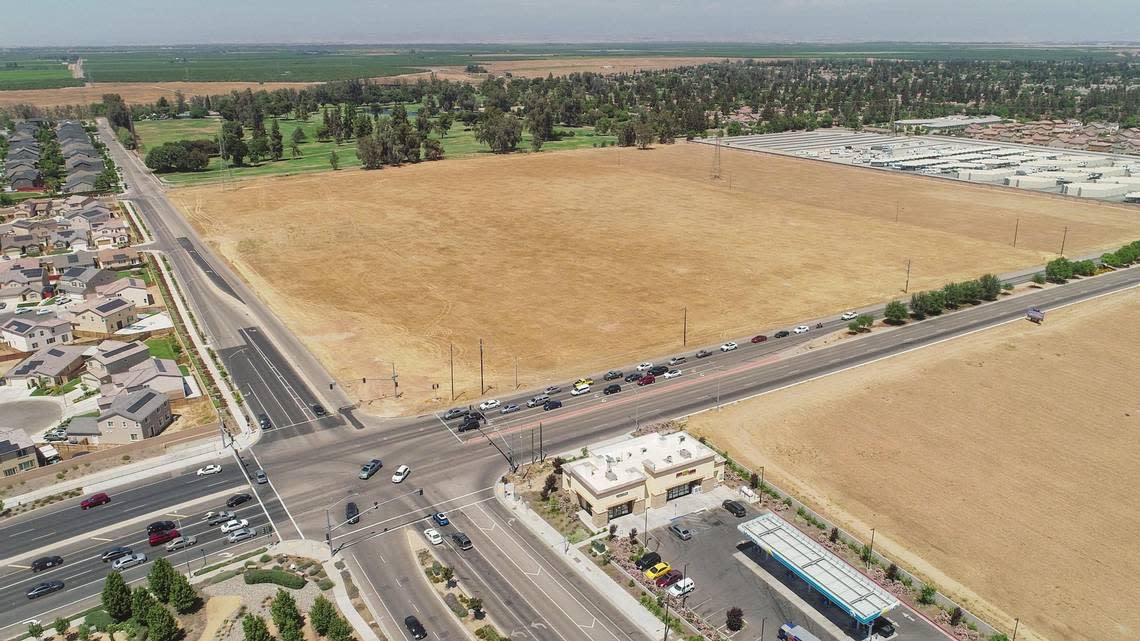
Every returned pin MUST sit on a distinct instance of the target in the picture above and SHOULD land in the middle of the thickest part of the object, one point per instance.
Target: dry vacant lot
(577, 261)
(132, 92)
(558, 66)
(1007, 461)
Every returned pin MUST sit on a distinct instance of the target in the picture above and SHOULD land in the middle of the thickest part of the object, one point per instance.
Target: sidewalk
(582, 565)
(318, 551)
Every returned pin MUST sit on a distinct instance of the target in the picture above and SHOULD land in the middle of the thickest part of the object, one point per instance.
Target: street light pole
(1063, 239)
(871, 549)
(482, 388)
(685, 327)
(451, 352)
(906, 287)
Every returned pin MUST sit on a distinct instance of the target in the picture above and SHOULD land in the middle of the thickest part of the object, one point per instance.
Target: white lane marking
(42, 536)
(372, 585)
(279, 499)
(100, 538)
(305, 411)
(448, 428)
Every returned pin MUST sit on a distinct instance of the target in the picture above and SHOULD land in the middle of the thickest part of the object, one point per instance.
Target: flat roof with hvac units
(842, 584)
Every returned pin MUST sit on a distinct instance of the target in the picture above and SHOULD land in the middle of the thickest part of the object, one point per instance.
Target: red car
(646, 380)
(759, 338)
(158, 538)
(669, 578)
(95, 500)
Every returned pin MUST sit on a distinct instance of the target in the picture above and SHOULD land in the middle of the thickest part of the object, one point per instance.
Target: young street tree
(61, 626)
(160, 625)
(183, 597)
(321, 615)
(340, 630)
(160, 577)
(254, 629)
(895, 313)
(116, 597)
(284, 611)
(35, 630)
(141, 603)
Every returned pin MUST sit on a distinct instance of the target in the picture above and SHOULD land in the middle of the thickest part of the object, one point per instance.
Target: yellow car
(583, 382)
(657, 570)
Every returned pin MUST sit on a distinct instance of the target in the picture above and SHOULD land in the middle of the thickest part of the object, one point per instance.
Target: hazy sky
(110, 22)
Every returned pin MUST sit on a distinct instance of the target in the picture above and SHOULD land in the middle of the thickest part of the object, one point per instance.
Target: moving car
(681, 532)
(553, 389)
(759, 338)
(95, 500)
(537, 400)
(848, 316)
(644, 366)
(433, 536)
(181, 542)
(209, 469)
(633, 378)
(241, 535)
(800, 329)
(318, 410)
(703, 354)
(129, 561)
(613, 375)
(676, 360)
(461, 541)
(611, 389)
(469, 423)
(669, 578)
(682, 588)
(658, 370)
(236, 524)
(579, 391)
(46, 563)
(509, 408)
(648, 379)
(673, 373)
(263, 421)
(489, 404)
(734, 507)
(238, 499)
(415, 628)
(783, 333)
(115, 553)
(454, 412)
(260, 477)
(657, 571)
(158, 538)
(728, 347)
(585, 380)
(217, 518)
(351, 513)
(647, 560)
(402, 473)
(551, 405)
(159, 526)
(40, 589)
(440, 519)
(370, 468)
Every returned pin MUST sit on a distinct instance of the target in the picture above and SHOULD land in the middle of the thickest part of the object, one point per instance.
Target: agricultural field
(592, 253)
(1001, 466)
(458, 143)
(18, 72)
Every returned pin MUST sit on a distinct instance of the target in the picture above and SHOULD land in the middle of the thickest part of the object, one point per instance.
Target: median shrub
(455, 606)
(277, 577)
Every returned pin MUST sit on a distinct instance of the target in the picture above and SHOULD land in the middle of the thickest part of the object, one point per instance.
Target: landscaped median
(474, 619)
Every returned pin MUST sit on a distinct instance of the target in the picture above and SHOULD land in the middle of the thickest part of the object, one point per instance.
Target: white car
(673, 373)
(402, 473)
(129, 561)
(645, 366)
(728, 347)
(682, 588)
(181, 542)
(801, 329)
(848, 316)
(489, 404)
(236, 524)
(578, 391)
(433, 536)
(209, 469)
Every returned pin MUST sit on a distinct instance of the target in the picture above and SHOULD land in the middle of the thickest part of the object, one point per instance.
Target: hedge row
(279, 577)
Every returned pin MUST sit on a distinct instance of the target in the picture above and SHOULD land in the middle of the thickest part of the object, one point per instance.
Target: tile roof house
(103, 315)
(118, 257)
(49, 366)
(79, 202)
(132, 289)
(29, 333)
(81, 258)
(161, 374)
(113, 357)
(83, 280)
(108, 236)
(134, 416)
(17, 452)
(22, 286)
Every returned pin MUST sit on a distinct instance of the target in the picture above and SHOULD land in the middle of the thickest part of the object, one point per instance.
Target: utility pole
(516, 372)
(395, 382)
(896, 211)
(1063, 239)
(1016, 623)
(482, 388)
(541, 452)
(871, 548)
(906, 287)
(685, 327)
(1016, 227)
(666, 637)
(451, 352)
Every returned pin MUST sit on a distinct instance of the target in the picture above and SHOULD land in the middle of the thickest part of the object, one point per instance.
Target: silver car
(181, 542)
(129, 561)
(243, 534)
(370, 468)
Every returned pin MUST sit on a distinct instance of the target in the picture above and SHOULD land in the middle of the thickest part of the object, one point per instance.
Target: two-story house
(103, 315)
(30, 332)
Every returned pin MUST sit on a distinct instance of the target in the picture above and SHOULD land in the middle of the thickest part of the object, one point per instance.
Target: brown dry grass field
(1006, 462)
(541, 67)
(573, 262)
(132, 92)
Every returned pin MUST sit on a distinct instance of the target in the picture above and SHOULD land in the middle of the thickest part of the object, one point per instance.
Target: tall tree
(433, 149)
(321, 615)
(334, 160)
(160, 577)
(284, 611)
(183, 597)
(116, 597)
(254, 629)
(258, 148)
(141, 603)
(160, 625)
(276, 142)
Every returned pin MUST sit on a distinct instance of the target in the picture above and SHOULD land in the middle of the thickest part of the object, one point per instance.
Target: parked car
(728, 347)
(682, 588)
(537, 400)
(264, 422)
(40, 589)
(181, 543)
(613, 375)
(669, 578)
(209, 469)
(95, 500)
(433, 536)
(129, 561)
(644, 366)
(55, 436)
(647, 560)
(402, 473)
(489, 404)
(241, 535)
(415, 628)
(759, 338)
(553, 389)
(648, 379)
(703, 354)
(440, 519)
(883, 627)
(673, 373)
(217, 518)
(611, 389)
(238, 499)
(734, 507)
(800, 329)
(454, 412)
(783, 333)
(551, 405)
(509, 408)
(235, 524)
(676, 360)
(260, 477)
(46, 563)
(681, 532)
(658, 370)
(633, 378)
(579, 391)
(159, 526)
(657, 571)
(351, 513)
(848, 316)
(318, 410)
(461, 541)
(114, 553)
(158, 538)
(370, 468)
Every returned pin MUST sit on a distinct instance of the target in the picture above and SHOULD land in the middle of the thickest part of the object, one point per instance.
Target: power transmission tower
(716, 160)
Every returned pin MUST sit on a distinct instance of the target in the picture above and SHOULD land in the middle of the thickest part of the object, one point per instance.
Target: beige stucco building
(621, 478)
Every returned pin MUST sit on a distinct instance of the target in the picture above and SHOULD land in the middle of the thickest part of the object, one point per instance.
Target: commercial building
(651, 470)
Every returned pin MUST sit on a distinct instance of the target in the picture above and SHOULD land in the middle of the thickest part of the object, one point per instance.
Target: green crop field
(20, 72)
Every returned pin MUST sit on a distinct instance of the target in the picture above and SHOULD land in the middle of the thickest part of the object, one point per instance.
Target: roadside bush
(955, 617)
(454, 605)
(1059, 270)
(325, 584)
(1084, 268)
(488, 633)
(927, 594)
(1039, 278)
(892, 572)
(278, 577)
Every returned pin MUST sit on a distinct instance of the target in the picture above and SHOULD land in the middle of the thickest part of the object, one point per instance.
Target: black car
(415, 627)
(884, 628)
(658, 370)
(263, 421)
(469, 423)
(648, 560)
(633, 378)
(612, 375)
(352, 513)
(461, 541)
(611, 389)
(781, 334)
(318, 410)
(115, 553)
(159, 526)
(47, 587)
(551, 405)
(703, 353)
(46, 562)
(734, 508)
(238, 499)
(454, 412)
